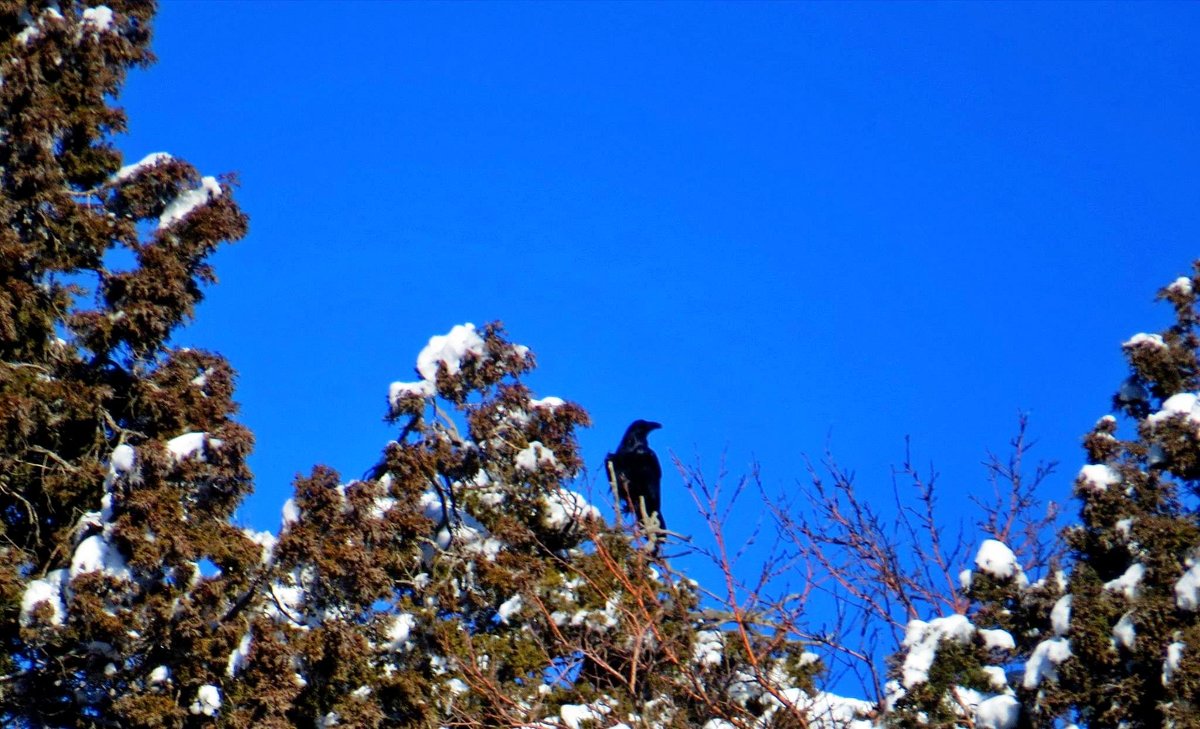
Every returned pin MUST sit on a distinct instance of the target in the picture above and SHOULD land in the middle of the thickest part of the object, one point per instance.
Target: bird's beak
(653, 426)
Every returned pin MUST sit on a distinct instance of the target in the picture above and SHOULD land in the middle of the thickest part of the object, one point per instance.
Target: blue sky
(771, 227)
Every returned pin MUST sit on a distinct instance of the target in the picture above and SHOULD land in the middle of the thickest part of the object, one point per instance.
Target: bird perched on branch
(636, 476)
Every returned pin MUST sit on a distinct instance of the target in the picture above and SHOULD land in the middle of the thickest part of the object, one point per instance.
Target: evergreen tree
(462, 582)
(120, 464)
(1109, 643)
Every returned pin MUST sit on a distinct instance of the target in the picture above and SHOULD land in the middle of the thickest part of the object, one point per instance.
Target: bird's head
(635, 434)
(644, 426)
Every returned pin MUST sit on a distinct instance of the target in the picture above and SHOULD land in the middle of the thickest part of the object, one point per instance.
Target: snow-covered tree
(120, 464)
(463, 582)
(467, 578)
(1111, 640)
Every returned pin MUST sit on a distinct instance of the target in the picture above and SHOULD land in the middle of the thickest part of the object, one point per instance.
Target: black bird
(638, 475)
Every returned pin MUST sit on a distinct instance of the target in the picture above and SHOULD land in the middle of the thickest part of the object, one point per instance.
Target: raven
(637, 475)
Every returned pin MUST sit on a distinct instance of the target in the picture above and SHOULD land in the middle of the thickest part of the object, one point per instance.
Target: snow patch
(565, 507)
(449, 350)
(460, 528)
(1171, 665)
(1152, 340)
(1181, 285)
(45, 590)
(1187, 589)
(208, 700)
(1128, 582)
(534, 455)
(998, 712)
(1184, 403)
(237, 658)
(191, 444)
(824, 710)
(189, 200)
(95, 554)
(121, 459)
(576, 715)
(1044, 662)
(291, 512)
(29, 32)
(1060, 616)
(398, 391)
(151, 160)
(99, 18)
(399, 631)
(1124, 633)
(160, 674)
(921, 639)
(709, 647)
(996, 677)
(997, 640)
(509, 608)
(996, 559)
(1124, 527)
(1098, 477)
(264, 539)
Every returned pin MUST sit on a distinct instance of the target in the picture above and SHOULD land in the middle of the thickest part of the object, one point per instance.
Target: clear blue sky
(771, 227)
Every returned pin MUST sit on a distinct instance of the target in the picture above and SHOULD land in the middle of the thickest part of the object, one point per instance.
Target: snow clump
(509, 608)
(1128, 582)
(565, 507)
(709, 647)
(533, 456)
(1152, 340)
(576, 716)
(998, 640)
(99, 18)
(1124, 633)
(1171, 665)
(208, 700)
(1098, 477)
(151, 160)
(1184, 403)
(1060, 616)
(996, 559)
(1181, 285)
(191, 444)
(397, 391)
(921, 639)
(95, 554)
(189, 200)
(399, 631)
(237, 658)
(1187, 589)
(1045, 661)
(449, 350)
(998, 712)
(45, 590)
